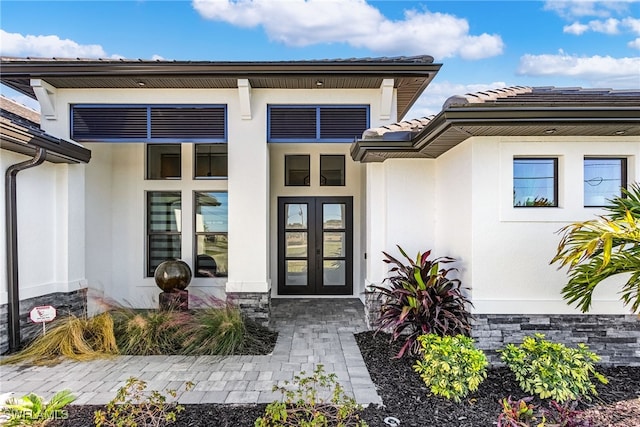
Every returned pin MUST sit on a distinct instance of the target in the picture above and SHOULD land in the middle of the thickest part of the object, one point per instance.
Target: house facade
(250, 174)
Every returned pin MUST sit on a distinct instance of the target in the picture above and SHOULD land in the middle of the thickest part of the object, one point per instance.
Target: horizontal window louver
(109, 123)
(149, 123)
(342, 123)
(293, 123)
(188, 123)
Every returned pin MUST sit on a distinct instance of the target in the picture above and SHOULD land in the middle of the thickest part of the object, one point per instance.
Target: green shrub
(420, 299)
(214, 331)
(134, 407)
(314, 401)
(552, 370)
(33, 410)
(451, 366)
(149, 332)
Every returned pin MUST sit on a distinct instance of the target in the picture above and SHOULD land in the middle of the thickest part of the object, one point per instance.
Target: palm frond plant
(419, 298)
(597, 249)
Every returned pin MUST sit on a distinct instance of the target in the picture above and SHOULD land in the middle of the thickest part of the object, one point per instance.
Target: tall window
(211, 237)
(603, 179)
(211, 161)
(164, 215)
(535, 182)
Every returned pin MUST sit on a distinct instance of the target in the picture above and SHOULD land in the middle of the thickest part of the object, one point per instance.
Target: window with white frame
(535, 182)
(604, 177)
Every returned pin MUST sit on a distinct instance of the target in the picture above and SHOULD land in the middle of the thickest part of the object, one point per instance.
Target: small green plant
(517, 413)
(552, 370)
(33, 410)
(421, 299)
(317, 400)
(133, 406)
(451, 366)
(564, 415)
(522, 413)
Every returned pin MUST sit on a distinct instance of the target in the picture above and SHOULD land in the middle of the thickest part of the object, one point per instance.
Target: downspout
(12, 244)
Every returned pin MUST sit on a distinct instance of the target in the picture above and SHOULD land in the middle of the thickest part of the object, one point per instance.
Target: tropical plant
(421, 299)
(78, 338)
(564, 415)
(317, 400)
(133, 406)
(552, 370)
(517, 413)
(606, 246)
(450, 366)
(33, 410)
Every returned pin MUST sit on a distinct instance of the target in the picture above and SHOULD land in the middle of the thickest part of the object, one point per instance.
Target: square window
(296, 170)
(211, 161)
(332, 170)
(535, 182)
(164, 161)
(603, 179)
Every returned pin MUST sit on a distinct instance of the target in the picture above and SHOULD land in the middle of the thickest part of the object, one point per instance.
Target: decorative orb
(173, 275)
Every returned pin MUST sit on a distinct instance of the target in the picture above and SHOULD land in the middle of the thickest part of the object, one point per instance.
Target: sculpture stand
(175, 300)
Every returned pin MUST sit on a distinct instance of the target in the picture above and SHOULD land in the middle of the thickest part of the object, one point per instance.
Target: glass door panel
(315, 246)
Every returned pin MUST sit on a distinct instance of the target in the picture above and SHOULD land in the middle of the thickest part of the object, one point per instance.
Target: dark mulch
(406, 398)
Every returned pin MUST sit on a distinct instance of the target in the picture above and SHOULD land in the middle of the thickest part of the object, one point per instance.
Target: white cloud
(15, 44)
(576, 28)
(634, 44)
(632, 24)
(431, 101)
(307, 22)
(571, 9)
(596, 70)
(608, 26)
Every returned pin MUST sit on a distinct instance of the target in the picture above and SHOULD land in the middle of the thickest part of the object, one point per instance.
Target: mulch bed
(406, 398)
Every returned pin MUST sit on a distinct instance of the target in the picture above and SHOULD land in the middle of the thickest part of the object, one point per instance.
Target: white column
(376, 217)
(248, 205)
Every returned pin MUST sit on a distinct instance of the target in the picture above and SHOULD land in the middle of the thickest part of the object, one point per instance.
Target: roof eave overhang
(16, 139)
(460, 124)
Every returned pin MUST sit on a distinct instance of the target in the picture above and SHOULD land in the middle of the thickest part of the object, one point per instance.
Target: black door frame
(315, 255)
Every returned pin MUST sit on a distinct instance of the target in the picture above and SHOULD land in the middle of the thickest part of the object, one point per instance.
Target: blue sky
(481, 44)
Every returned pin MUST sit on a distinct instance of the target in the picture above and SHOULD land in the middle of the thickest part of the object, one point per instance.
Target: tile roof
(512, 96)
(20, 111)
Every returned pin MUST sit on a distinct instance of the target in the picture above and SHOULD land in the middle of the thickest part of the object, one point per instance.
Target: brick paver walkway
(311, 331)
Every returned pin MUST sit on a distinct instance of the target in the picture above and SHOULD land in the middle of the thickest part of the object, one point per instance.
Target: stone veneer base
(255, 305)
(65, 303)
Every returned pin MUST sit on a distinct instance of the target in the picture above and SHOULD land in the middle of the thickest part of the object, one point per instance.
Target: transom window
(164, 161)
(304, 123)
(211, 161)
(603, 179)
(211, 233)
(297, 170)
(332, 170)
(535, 182)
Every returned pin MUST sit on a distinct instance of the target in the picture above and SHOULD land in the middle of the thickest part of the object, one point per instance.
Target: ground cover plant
(316, 400)
(418, 298)
(134, 406)
(553, 370)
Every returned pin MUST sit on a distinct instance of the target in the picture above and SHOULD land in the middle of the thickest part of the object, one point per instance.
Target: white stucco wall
(115, 190)
(400, 209)
(461, 205)
(50, 228)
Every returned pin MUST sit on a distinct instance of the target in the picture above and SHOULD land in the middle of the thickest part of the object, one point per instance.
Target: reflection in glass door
(315, 245)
